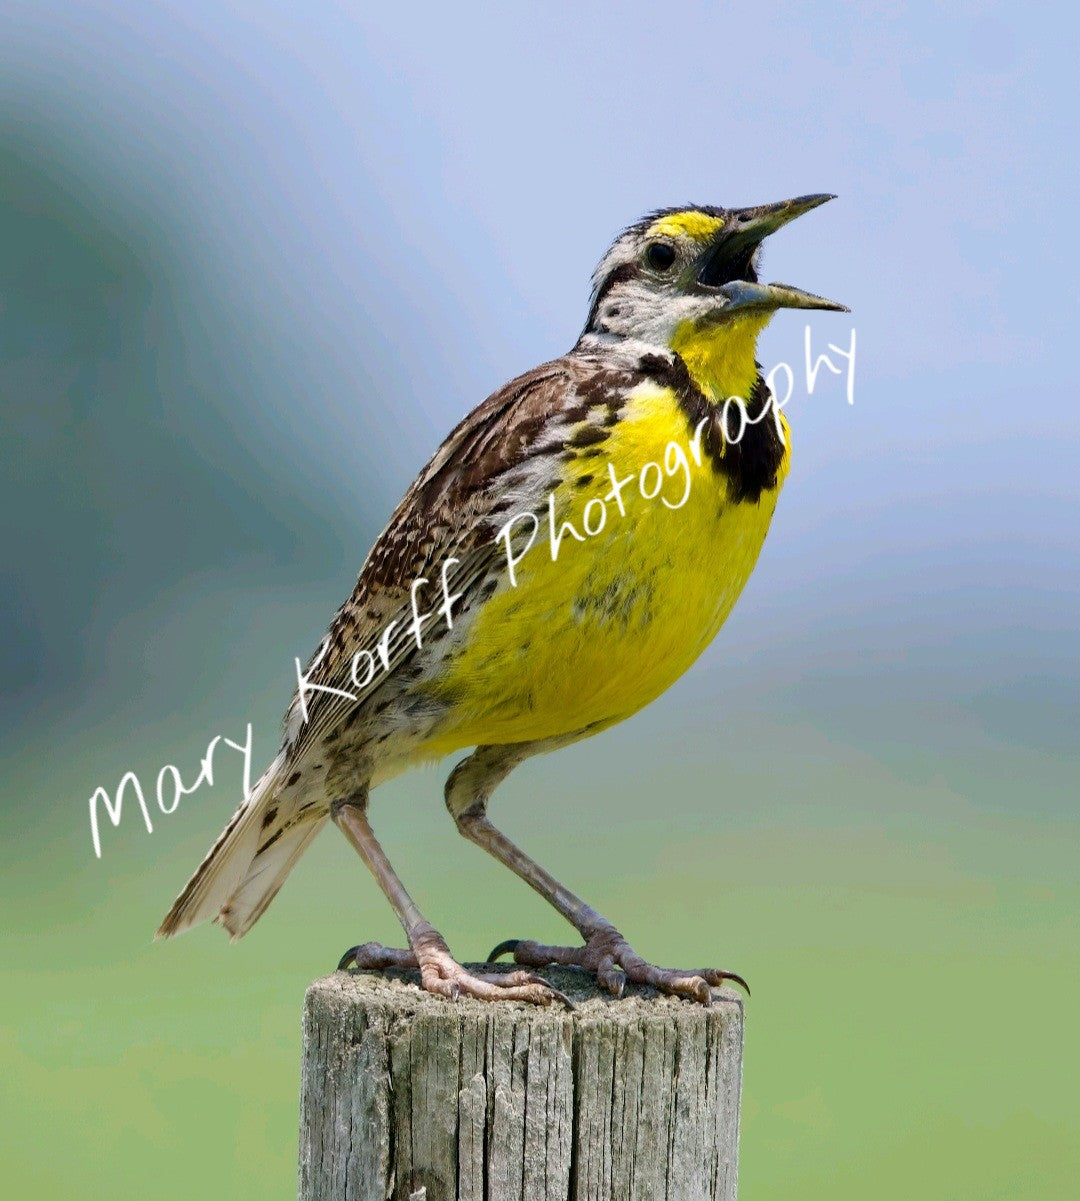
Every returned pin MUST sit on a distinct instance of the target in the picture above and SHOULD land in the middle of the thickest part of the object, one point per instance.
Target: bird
(468, 631)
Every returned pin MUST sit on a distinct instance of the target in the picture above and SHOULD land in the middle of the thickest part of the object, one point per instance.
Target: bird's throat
(720, 358)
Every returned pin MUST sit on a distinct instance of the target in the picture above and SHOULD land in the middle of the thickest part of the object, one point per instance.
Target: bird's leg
(606, 954)
(439, 971)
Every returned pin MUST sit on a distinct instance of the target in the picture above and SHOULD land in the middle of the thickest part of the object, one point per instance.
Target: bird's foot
(611, 959)
(441, 973)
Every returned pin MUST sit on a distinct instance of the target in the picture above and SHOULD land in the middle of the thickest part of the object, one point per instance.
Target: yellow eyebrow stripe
(691, 223)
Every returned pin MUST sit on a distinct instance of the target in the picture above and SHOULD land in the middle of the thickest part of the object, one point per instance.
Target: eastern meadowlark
(466, 630)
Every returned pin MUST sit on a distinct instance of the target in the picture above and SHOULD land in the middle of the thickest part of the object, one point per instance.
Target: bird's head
(686, 279)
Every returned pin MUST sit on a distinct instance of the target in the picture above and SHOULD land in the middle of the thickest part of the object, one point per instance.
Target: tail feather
(265, 876)
(236, 881)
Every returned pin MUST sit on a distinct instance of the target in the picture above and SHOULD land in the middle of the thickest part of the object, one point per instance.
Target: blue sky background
(256, 259)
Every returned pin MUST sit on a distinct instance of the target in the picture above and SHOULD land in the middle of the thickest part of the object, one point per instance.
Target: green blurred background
(255, 260)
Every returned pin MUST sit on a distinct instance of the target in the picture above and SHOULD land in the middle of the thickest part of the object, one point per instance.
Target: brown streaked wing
(453, 509)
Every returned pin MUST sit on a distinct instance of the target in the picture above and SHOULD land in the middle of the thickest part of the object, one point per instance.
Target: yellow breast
(591, 636)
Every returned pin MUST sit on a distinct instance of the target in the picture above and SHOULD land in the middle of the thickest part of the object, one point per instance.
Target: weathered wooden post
(409, 1097)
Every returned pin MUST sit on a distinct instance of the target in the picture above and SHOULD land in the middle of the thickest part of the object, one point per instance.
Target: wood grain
(407, 1096)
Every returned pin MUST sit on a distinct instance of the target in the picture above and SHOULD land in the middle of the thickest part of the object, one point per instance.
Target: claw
(736, 979)
(615, 983)
(347, 958)
(515, 979)
(611, 979)
(504, 948)
(559, 996)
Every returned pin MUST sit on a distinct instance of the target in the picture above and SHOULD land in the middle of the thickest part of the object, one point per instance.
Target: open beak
(727, 265)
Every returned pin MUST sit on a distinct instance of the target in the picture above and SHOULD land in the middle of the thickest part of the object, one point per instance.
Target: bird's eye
(660, 256)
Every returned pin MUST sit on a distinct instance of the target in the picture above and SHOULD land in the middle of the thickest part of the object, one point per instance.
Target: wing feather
(454, 509)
